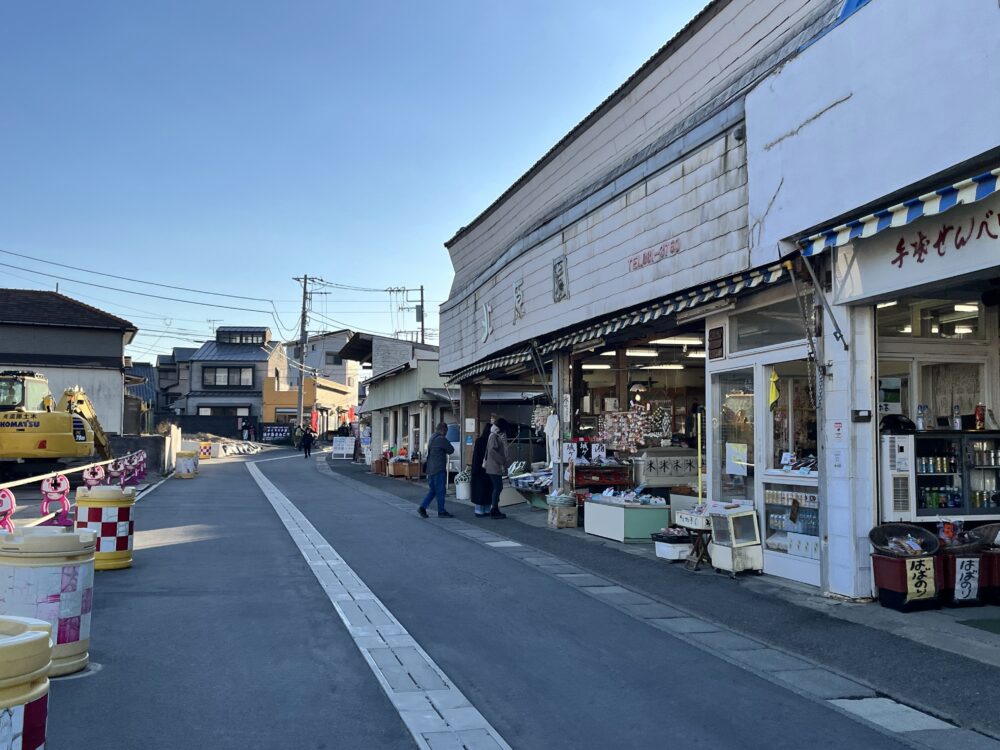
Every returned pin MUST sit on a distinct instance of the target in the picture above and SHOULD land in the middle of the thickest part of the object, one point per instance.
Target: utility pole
(422, 314)
(302, 342)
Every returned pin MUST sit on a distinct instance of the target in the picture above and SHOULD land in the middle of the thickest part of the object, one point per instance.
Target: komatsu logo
(22, 424)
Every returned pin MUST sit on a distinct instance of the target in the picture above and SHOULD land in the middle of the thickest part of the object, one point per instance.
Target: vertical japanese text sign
(966, 579)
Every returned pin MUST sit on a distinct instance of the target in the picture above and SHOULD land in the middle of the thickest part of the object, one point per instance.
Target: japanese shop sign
(966, 579)
(654, 255)
(962, 240)
(920, 579)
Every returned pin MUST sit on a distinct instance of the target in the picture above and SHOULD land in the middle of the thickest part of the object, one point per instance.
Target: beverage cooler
(949, 474)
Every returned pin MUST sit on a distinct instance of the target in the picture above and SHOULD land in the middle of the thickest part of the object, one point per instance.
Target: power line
(141, 294)
(127, 278)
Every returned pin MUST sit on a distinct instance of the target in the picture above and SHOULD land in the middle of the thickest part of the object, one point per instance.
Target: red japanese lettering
(920, 247)
(984, 227)
(901, 252)
(961, 241)
(942, 238)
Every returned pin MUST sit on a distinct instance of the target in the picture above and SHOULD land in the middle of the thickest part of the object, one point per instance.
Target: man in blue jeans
(438, 450)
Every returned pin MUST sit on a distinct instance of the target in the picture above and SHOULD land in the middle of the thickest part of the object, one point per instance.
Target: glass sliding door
(733, 448)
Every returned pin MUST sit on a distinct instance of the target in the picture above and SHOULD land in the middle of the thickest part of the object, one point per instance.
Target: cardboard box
(563, 518)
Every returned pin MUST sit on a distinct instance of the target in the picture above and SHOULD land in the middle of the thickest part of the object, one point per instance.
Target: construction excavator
(38, 434)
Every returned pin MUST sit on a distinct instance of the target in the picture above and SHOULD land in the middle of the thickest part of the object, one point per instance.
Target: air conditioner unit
(898, 483)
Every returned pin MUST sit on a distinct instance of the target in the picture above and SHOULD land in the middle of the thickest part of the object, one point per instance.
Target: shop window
(774, 324)
(791, 520)
(791, 397)
(894, 387)
(733, 423)
(955, 320)
(950, 388)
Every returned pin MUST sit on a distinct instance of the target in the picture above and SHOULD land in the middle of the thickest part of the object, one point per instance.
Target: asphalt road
(221, 637)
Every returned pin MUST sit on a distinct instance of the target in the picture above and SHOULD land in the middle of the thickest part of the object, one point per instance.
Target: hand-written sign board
(920, 579)
(966, 579)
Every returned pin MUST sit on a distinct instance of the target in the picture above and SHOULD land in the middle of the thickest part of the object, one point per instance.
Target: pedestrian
(307, 441)
(245, 427)
(253, 432)
(496, 463)
(438, 450)
(481, 487)
(297, 437)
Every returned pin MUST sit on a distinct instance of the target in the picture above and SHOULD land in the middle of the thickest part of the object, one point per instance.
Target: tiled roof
(147, 390)
(33, 307)
(216, 352)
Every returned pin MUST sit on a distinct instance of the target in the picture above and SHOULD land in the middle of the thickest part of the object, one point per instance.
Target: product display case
(791, 520)
(735, 544)
(949, 473)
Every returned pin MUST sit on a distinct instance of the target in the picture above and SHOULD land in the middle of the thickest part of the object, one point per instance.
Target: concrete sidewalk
(928, 660)
(218, 637)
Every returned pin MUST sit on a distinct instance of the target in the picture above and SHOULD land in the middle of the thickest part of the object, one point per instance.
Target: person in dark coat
(482, 487)
(496, 463)
(438, 450)
(307, 441)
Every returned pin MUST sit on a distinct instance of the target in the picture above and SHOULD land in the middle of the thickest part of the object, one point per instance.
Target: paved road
(223, 637)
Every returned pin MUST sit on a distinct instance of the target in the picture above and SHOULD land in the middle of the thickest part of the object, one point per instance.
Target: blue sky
(229, 146)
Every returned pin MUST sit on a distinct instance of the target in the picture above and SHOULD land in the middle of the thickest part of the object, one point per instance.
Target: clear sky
(232, 145)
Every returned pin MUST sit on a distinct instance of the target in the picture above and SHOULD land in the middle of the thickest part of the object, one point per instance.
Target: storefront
(763, 448)
(933, 289)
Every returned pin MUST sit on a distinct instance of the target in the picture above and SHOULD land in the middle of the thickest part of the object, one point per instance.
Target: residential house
(228, 373)
(322, 358)
(404, 398)
(140, 398)
(173, 377)
(69, 342)
(331, 401)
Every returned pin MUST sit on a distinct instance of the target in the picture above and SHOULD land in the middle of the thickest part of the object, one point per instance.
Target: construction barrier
(25, 656)
(108, 511)
(204, 450)
(47, 573)
(187, 464)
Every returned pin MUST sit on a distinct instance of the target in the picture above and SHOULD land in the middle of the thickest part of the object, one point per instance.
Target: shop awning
(966, 191)
(655, 311)
(497, 363)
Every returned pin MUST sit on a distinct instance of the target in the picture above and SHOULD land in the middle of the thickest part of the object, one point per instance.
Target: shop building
(900, 232)
(606, 277)
(403, 401)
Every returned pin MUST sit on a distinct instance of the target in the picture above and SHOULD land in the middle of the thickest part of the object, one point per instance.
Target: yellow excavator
(39, 434)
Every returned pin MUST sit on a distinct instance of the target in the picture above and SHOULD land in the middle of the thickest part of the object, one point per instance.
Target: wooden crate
(379, 466)
(563, 518)
(407, 469)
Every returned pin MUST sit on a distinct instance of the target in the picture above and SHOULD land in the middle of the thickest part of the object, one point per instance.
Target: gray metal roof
(213, 351)
(243, 329)
(145, 390)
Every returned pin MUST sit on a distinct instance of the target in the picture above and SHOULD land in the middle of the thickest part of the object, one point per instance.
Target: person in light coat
(496, 463)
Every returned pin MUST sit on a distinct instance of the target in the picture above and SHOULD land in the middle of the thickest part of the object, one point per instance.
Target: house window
(204, 411)
(233, 377)
(242, 411)
(333, 359)
(297, 352)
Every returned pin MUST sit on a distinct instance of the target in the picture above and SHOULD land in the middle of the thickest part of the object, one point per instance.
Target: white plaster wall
(898, 92)
(105, 388)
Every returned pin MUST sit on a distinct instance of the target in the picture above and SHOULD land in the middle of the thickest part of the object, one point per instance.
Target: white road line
(434, 710)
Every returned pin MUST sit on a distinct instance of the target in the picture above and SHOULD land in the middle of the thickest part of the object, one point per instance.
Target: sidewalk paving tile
(824, 684)
(652, 611)
(684, 625)
(583, 579)
(770, 660)
(893, 716)
(726, 641)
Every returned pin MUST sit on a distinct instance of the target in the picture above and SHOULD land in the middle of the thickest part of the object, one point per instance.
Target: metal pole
(423, 314)
(302, 345)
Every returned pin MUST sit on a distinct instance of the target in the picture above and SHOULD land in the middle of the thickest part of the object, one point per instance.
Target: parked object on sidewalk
(735, 544)
(903, 540)
(562, 517)
(47, 572)
(908, 584)
(25, 658)
(672, 543)
(109, 512)
(186, 464)
(463, 486)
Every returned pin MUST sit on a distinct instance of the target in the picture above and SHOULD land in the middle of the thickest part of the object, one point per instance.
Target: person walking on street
(307, 441)
(438, 450)
(496, 464)
(297, 437)
(481, 487)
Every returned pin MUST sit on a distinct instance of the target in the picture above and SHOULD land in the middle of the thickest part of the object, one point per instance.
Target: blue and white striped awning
(967, 191)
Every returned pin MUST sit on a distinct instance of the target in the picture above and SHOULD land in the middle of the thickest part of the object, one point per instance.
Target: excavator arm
(76, 401)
